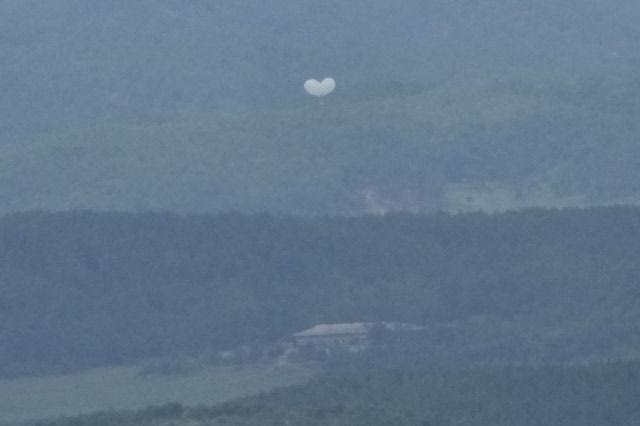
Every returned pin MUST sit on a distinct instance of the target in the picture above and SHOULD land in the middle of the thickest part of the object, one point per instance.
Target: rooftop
(329, 329)
(354, 328)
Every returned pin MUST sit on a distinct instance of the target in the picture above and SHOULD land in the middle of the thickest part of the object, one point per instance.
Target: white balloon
(320, 88)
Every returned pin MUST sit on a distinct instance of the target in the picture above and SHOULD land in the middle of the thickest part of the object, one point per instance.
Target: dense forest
(418, 395)
(199, 107)
(82, 289)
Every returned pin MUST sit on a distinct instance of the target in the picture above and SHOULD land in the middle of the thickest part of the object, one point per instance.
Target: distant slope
(85, 289)
(508, 142)
(161, 105)
(64, 60)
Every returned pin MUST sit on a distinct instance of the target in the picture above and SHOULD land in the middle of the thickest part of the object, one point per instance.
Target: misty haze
(303, 212)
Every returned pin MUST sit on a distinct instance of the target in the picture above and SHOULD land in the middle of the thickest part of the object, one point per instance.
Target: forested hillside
(170, 196)
(199, 107)
(593, 395)
(81, 289)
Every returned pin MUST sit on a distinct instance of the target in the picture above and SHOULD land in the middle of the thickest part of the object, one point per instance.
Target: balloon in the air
(320, 88)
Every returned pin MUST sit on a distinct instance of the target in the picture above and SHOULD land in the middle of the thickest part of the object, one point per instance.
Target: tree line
(80, 289)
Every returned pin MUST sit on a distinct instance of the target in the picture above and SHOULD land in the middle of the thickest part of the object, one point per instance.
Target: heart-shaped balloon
(320, 88)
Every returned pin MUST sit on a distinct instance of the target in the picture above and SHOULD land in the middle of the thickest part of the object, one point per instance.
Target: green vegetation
(124, 388)
(414, 395)
(392, 153)
(200, 108)
(197, 108)
(88, 289)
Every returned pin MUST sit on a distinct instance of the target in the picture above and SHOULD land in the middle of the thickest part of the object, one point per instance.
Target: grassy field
(473, 146)
(125, 388)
